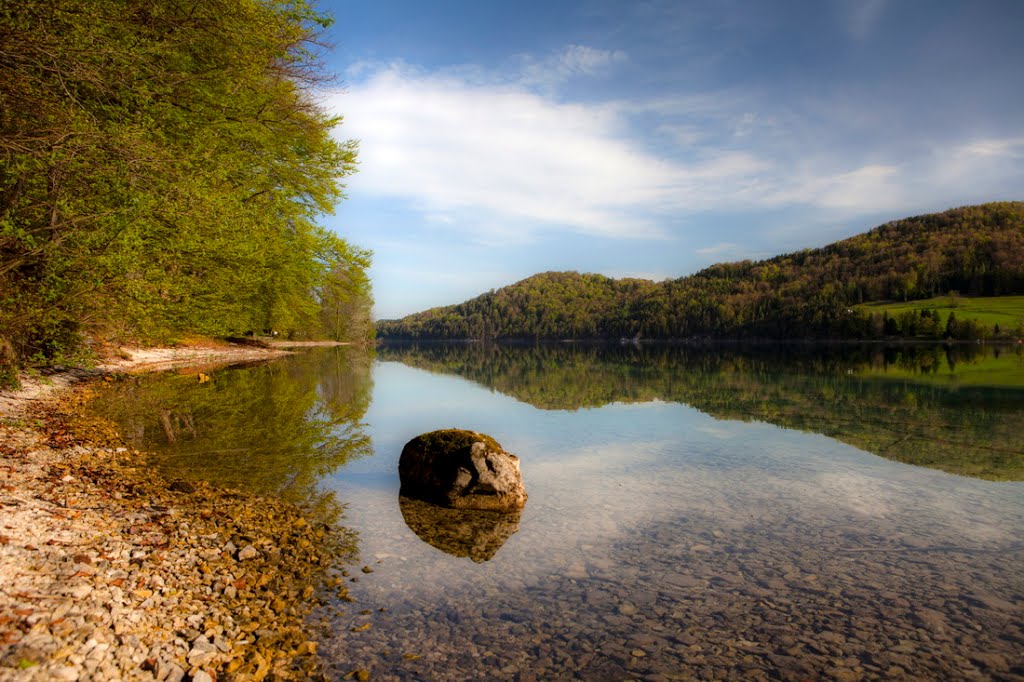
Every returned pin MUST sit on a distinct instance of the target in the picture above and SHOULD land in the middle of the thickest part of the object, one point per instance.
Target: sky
(653, 138)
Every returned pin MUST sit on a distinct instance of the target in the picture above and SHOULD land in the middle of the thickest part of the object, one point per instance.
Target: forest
(814, 293)
(164, 167)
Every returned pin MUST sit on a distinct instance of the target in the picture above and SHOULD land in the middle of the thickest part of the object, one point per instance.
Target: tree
(892, 328)
(927, 325)
(164, 166)
(346, 304)
(952, 327)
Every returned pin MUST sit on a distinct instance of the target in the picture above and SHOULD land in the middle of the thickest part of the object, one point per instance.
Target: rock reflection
(459, 532)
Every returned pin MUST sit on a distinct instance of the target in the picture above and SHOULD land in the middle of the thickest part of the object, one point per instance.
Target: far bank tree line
(928, 324)
(163, 169)
(976, 251)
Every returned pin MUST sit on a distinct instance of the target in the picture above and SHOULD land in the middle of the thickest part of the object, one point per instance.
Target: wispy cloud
(573, 60)
(862, 15)
(719, 250)
(501, 153)
(872, 185)
(1007, 148)
(654, 276)
(938, 177)
(501, 161)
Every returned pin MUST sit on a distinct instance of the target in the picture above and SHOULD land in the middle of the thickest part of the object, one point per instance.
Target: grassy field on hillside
(1006, 311)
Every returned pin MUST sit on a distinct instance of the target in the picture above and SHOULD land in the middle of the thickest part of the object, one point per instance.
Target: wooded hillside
(162, 169)
(973, 250)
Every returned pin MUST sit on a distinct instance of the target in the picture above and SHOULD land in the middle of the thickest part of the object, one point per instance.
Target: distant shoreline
(895, 341)
(307, 344)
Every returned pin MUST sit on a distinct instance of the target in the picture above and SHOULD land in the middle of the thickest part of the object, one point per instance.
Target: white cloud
(493, 159)
(503, 154)
(652, 275)
(439, 218)
(744, 125)
(1009, 148)
(719, 250)
(982, 169)
(873, 185)
(583, 59)
(572, 61)
(682, 134)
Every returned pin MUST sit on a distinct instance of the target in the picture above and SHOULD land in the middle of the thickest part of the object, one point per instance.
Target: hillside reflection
(959, 409)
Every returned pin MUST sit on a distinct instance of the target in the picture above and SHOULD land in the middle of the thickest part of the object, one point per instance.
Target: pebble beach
(109, 571)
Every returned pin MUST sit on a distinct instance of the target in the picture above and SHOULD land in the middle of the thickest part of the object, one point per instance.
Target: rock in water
(463, 470)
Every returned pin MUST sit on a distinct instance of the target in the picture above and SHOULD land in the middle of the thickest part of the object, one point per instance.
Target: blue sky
(651, 139)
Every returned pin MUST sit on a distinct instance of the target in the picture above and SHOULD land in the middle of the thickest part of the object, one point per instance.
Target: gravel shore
(108, 571)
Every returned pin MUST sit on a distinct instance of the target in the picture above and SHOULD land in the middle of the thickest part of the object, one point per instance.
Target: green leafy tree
(165, 165)
(345, 298)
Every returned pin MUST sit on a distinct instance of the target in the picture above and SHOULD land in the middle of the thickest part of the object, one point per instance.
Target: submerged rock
(459, 532)
(463, 470)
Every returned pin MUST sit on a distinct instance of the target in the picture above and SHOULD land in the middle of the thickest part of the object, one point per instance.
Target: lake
(750, 513)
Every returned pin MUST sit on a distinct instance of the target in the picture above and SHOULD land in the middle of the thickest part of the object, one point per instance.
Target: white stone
(248, 552)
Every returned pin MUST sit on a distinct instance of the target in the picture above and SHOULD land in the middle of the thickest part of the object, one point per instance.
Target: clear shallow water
(659, 541)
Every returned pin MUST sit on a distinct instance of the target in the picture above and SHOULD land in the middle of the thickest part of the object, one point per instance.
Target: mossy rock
(452, 440)
(461, 469)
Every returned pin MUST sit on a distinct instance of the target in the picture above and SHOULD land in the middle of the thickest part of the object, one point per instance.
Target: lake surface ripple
(694, 513)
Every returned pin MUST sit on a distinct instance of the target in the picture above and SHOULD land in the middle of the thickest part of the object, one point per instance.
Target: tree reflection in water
(274, 428)
(958, 408)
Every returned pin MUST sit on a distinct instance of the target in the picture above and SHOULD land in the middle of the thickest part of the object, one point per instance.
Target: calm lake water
(815, 513)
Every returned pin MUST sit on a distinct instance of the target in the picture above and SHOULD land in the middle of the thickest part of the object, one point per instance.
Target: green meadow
(1006, 311)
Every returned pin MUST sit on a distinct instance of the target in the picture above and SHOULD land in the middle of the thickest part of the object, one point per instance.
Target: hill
(975, 251)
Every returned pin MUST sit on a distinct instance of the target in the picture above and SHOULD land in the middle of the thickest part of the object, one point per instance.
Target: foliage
(346, 301)
(8, 366)
(976, 250)
(903, 403)
(163, 167)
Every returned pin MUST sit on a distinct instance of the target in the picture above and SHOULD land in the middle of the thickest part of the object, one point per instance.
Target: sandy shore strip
(110, 572)
(36, 387)
(307, 344)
